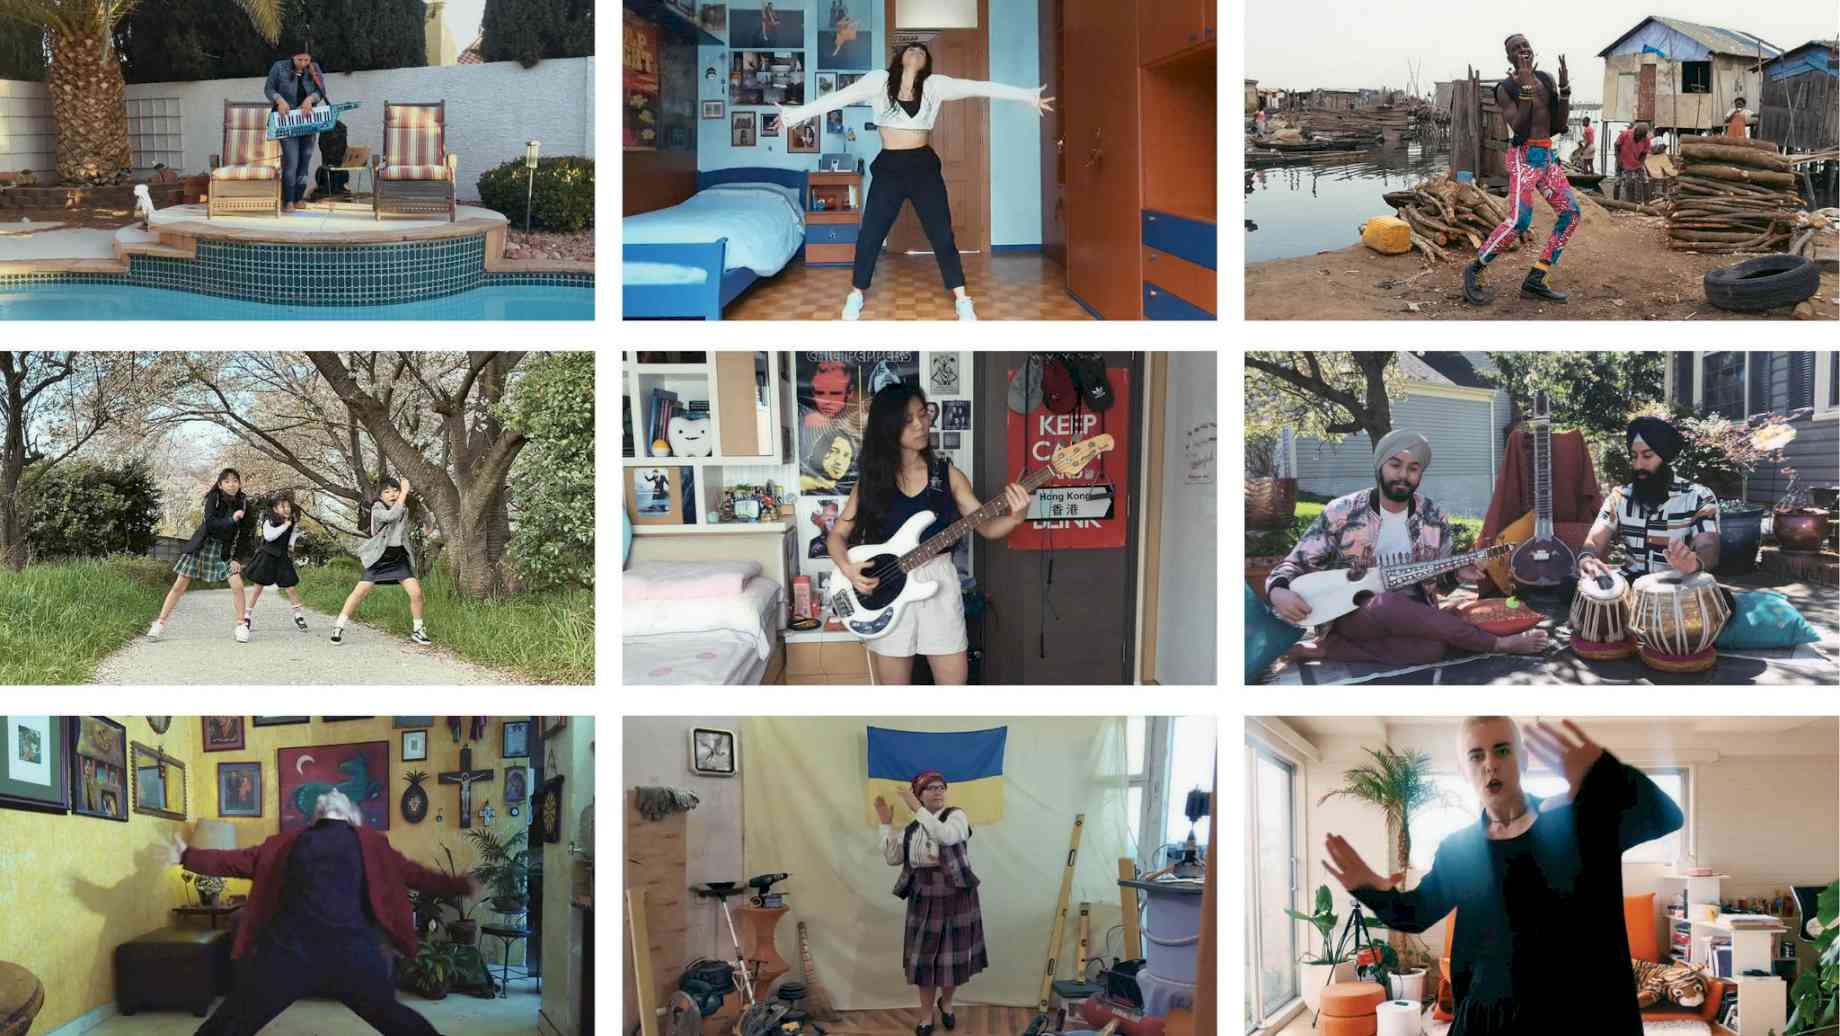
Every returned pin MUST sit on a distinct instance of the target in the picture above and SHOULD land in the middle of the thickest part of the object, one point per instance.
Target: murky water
(1305, 209)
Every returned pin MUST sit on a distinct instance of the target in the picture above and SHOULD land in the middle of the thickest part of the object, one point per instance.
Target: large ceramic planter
(1802, 531)
(1316, 976)
(466, 932)
(1740, 533)
(1409, 986)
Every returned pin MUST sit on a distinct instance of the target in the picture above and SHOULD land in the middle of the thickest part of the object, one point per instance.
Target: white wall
(491, 110)
(26, 137)
(1015, 129)
(1188, 580)
(657, 751)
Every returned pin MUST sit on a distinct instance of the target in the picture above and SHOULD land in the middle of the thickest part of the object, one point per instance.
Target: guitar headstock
(1070, 460)
(1542, 407)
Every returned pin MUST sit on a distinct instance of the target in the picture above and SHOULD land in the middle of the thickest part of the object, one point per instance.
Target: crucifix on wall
(466, 777)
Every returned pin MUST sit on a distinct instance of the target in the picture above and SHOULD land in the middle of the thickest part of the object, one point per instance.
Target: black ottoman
(172, 968)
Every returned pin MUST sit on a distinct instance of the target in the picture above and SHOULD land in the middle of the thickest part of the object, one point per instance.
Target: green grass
(543, 637)
(1280, 541)
(58, 620)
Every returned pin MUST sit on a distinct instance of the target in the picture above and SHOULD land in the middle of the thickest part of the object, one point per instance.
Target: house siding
(1462, 474)
(1731, 77)
(1814, 454)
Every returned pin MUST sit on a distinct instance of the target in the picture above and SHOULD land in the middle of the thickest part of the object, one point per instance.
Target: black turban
(1660, 436)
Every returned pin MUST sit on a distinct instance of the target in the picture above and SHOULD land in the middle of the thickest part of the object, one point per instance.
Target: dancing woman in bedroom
(906, 99)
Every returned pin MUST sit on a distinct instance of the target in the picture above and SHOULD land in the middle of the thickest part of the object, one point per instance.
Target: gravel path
(197, 647)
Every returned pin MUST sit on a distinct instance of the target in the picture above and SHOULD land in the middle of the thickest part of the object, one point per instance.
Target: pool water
(118, 302)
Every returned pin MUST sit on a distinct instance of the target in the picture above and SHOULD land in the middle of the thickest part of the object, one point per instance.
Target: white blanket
(763, 222)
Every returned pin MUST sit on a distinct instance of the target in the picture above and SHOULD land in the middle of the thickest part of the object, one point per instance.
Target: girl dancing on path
(906, 100)
(212, 553)
(387, 560)
(272, 565)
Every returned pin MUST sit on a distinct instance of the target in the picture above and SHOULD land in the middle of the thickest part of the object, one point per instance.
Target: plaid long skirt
(945, 932)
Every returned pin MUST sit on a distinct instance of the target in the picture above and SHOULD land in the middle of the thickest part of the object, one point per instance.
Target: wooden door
(1645, 95)
(961, 136)
(1170, 26)
(1056, 617)
(1099, 116)
(1053, 137)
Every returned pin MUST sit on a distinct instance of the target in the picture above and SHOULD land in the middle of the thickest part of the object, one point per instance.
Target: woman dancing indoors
(944, 943)
(1523, 864)
(906, 99)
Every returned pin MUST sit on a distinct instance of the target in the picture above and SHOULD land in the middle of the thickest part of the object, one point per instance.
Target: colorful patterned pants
(1534, 169)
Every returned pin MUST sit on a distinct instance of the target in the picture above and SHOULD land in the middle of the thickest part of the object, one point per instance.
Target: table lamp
(211, 834)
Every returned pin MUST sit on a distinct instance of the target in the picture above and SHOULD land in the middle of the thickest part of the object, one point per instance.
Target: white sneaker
(242, 633)
(852, 306)
(965, 312)
(154, 631)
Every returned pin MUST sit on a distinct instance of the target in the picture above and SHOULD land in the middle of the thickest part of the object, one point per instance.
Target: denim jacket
(282, 85)
(1345, 535)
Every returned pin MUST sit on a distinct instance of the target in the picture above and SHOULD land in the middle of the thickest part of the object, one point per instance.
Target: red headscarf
(925, 778)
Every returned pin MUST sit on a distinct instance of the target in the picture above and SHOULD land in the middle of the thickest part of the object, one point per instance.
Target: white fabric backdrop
(803, 793)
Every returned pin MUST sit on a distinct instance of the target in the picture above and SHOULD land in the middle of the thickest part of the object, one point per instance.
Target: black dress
(1545, 904)
(272, 565)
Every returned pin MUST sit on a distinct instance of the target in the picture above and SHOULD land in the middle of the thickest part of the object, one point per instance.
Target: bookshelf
(748, 429)
(1762, 1002)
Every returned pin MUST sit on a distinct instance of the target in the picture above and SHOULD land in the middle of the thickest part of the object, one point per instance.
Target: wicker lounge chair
(415, 175)
(247, 177)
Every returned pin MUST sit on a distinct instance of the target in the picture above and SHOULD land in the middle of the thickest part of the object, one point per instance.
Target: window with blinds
(1723, 377)
(1683, 378)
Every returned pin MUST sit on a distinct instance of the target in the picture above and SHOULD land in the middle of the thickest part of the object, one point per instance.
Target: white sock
(418, 624)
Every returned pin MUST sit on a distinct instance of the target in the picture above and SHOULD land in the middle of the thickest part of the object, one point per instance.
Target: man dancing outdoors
(1536, 110)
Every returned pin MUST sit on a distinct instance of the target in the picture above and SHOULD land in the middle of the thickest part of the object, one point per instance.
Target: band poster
(1066, 508)
(639, 79)
(834, 390)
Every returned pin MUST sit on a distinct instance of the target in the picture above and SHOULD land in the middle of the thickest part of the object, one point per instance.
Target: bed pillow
(1762, 619)
(1267, 636)
(686, 580)
(791, 194)
(746, 612)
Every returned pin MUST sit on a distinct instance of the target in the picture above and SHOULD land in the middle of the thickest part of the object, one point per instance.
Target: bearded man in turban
(1389, 523)
(1662, 521)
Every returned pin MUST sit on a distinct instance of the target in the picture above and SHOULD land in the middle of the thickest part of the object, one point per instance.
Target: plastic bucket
(1466, 177)
(1172, 936)
(1162, 995)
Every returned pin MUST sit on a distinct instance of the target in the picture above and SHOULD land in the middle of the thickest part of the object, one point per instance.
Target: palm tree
(84, 77)
(1397, 782)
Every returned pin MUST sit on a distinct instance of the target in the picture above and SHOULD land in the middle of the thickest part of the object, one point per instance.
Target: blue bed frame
(719, 287)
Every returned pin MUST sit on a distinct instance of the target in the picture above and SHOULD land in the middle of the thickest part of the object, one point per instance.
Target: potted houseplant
(463, 930)
(1271, 491)
(1815, 996)
(1798, 525)
(1398, 783)
(504, 867)
(1327, 966)
(429, 972)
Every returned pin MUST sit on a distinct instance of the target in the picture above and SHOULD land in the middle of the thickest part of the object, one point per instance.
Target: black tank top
(936, 497)
(911, 107)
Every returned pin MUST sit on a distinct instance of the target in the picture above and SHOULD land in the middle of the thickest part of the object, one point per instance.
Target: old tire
(1767, 282)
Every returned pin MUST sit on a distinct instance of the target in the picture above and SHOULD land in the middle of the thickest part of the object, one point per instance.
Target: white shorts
(935, 626)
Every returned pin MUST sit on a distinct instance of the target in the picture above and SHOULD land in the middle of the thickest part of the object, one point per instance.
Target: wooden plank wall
(657, 858)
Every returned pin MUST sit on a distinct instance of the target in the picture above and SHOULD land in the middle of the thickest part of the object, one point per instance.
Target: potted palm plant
(504, 867)
(1397, 783)
(1327, 966)
(462, 930)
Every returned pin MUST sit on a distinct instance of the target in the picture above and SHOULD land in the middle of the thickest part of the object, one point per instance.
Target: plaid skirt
(945, 932)
(209, 563)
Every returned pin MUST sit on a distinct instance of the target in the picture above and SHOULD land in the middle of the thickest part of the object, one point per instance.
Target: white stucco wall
(492, 110)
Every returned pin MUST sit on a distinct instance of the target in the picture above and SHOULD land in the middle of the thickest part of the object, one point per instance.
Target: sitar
(1543, 561)
(1333, 593)
(872, 615)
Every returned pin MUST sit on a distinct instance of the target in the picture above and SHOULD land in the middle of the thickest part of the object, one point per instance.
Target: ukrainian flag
(972, 761)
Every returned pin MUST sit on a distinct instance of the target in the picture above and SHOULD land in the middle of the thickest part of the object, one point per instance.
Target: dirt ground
(1616, 267)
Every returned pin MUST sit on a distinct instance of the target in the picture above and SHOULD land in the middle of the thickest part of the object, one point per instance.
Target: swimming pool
(62, 300)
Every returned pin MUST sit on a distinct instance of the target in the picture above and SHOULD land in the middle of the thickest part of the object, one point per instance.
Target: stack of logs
(1734, 194)
(1444, 212)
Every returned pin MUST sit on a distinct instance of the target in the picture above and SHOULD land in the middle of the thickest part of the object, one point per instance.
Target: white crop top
(872, 90)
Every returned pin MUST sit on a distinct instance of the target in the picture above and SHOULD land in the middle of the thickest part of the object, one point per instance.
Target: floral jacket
(1344, 535)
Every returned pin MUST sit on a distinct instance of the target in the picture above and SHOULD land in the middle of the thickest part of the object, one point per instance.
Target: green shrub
(552, 483)
(86, 510)
(562, 199)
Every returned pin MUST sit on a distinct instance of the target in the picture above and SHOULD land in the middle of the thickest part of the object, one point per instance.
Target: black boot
(1473, 291)
(947, 1018)
(1534, 287)
(924, 1029)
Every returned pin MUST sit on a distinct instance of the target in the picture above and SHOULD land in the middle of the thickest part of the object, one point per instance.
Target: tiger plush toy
(1674, 982)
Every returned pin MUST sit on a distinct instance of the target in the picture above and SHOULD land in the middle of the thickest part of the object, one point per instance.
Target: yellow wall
(72, 888)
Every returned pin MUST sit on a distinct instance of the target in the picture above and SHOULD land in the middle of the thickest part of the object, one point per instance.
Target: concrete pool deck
(175, 232)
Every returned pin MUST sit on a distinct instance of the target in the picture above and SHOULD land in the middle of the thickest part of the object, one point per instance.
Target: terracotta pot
(466, 933)
(1270, 502)
(1800, 530)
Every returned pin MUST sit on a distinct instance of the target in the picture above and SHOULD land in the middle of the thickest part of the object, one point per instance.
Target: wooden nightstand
(830, 232)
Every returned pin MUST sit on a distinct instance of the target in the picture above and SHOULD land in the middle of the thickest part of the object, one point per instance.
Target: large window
(1167, 757)
(1724, 385)
(1458, 810)
(1696, 77)
(1271, 879)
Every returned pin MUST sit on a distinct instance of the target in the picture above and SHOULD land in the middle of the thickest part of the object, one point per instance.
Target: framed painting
(361, 770)
(98, 768)
(803, 138)
(769, 124)
(552, 725)
(655, 496)
(714, 19)
(514, 739)
(844, 37)
(158, 787)
(33, 771)
(222, 733)
(278, 721)
(757, 78)
(239, 789)
(712, 109)
(517, 784)
(411, 722)
(741, 133)
(341, 719)
(767, 26)
(414, 746)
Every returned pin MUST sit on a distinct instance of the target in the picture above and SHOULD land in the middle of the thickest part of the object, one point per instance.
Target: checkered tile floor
(1023, 286)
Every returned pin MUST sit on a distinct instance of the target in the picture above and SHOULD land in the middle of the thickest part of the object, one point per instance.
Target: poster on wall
(844, 40)
(772, 25)
(834, 389)
(1066, 512)
(360, 770)
(639, 68)
(764, 77)
(817, 515)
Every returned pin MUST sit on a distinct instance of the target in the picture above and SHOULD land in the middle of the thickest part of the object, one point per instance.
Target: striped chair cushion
(251, 117)
(245, 172)
(408, 145)
(414, 172)
(250, 147)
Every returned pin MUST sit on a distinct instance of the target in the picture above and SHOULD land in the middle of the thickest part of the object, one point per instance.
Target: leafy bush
(83, 510)
(1716, 453)
(527, 31)
(552, 484)
(562, 198)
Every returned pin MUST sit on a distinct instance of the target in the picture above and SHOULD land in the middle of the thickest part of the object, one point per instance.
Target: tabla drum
(1676, 618)
(1600, 618)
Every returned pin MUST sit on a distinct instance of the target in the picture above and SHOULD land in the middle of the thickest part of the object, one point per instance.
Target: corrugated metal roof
(1712, 37)
(1815, 55)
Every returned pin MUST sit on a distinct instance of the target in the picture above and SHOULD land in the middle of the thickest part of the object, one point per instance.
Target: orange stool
(1368, 1026)
(1352, 999)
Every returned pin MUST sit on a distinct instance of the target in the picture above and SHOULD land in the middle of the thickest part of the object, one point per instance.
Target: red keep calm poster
(1037, 434)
